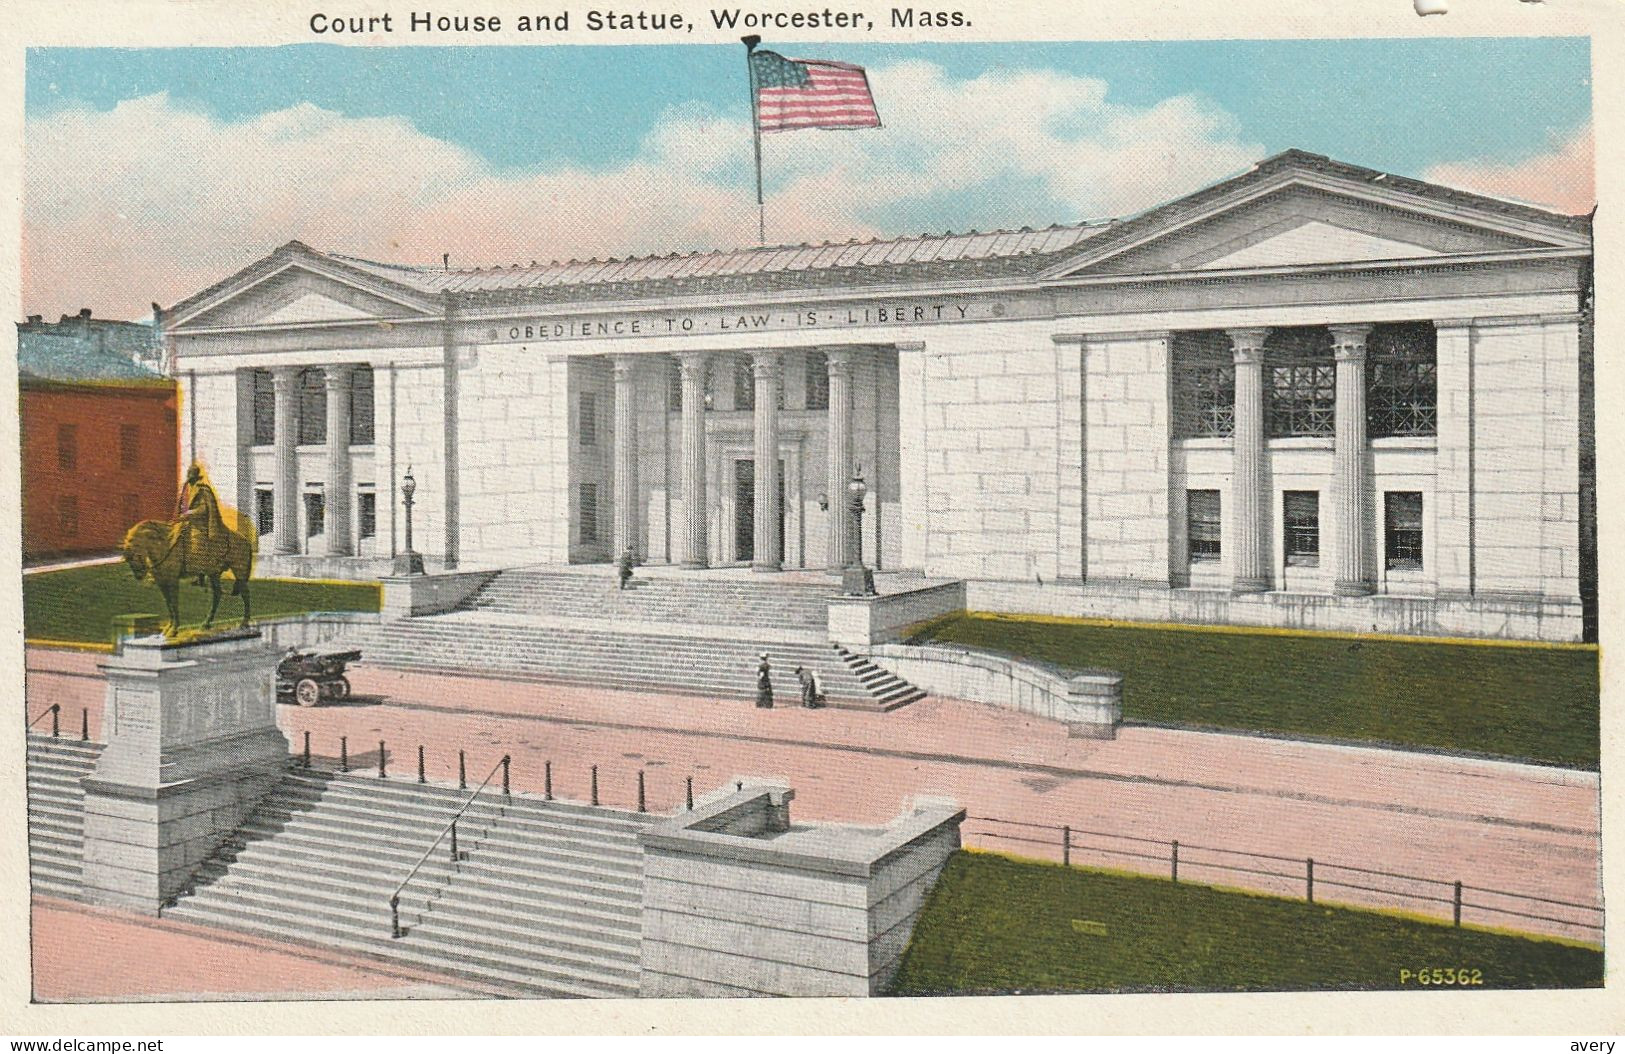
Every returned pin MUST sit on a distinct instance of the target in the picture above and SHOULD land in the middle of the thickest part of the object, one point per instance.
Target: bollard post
(547, 781)
(395, 915)
(688, 793)
(307, 749)
(642, 805)
(505, 792)
(1066, 847)
(1175, 860)
(739, 785)
(421, 777)
(344, 753)
(595, 784)
(84, 725)
(1309, 880)
(462, 771)
(380, 759)
(56, 714)
(454, 841)
(1457, 905)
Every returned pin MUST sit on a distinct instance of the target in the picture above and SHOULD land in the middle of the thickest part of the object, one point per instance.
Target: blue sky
(149, 174)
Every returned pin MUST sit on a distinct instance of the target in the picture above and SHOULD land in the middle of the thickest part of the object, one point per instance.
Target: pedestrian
(764, 685)
(623, 566)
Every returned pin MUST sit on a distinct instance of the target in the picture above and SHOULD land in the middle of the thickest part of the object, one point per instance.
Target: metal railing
(55, 712)
(1298, 877)
(451, 829)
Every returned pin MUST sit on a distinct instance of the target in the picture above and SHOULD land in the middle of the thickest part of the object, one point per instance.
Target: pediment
(298, 294)
(1299, 224)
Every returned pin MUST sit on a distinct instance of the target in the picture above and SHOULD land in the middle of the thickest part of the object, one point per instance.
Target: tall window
(587, 418)
(366, 508)
(67, 447)
(674, 388)
(1300, 383)
(67, 515)
(264, 408)
(129, 446)
(589, 513)
(361, 406)
(315, 513)
(817, 380)
(1204, 385)
(312, 407)
(1402, 530)
(1402, 380)
(1300, 514)
(1202, 524)
(264, 510)
(744, 385)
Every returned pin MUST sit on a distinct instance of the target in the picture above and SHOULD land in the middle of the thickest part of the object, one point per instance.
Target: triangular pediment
(296, 286)
(1291, 213)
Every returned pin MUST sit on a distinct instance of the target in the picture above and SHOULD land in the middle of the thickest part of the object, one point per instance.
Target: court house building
(1313, 395)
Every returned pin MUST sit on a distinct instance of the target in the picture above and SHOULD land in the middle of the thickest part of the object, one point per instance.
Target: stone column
(695, 553)
(338, 495)
(285, 384)
(839, 447)
(1350, 479)
(765, 370)
(625, 529)
(1249, 564)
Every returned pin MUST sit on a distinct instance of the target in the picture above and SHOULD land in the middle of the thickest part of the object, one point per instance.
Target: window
(817, 366)
(587, 418)
(366, 507)
(361, 406)
(1300, 511)
(264, 510)
(1202, 524)
(589, 513)
(67, 515)
(67, 447)
(129, 446)
(312, 407)
(132, 509)
(1402, 385)
(744, 385)
(1300, 383)
(264, 408)
(1402, 530)
(315, 513)
(1204, 385)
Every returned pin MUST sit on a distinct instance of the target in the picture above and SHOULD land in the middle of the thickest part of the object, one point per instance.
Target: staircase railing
(55, 710)
(451, 829)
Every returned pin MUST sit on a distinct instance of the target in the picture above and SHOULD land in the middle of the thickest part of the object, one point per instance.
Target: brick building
(1314, 395)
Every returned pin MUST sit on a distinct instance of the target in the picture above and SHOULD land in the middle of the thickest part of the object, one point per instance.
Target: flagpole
(750, 43)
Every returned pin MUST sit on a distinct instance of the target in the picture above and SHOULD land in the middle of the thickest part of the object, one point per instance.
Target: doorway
(745, 509)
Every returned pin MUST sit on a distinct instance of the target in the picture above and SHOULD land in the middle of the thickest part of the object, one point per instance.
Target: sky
(150, 174)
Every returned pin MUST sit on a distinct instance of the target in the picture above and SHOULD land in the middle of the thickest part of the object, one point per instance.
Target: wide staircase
(698, 636)
(544, 898)
(56, 813)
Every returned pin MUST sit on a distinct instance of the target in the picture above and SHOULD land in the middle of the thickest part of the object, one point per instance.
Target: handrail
(451, 826)
(55, 710)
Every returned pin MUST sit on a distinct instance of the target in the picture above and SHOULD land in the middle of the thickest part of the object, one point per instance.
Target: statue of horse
(155, 553)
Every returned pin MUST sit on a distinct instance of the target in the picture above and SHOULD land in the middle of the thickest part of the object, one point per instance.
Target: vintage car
(311, 677)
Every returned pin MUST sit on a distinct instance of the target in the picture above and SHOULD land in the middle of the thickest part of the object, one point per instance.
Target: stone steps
(720, 602)
(56, 812)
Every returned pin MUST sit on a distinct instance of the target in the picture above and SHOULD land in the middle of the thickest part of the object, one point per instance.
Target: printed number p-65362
(1444, 977)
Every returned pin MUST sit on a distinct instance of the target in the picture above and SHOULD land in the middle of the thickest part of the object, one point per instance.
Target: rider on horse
(199, 510)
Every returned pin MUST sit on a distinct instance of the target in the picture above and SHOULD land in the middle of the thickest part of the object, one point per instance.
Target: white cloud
(153, 201)
(1562, 179)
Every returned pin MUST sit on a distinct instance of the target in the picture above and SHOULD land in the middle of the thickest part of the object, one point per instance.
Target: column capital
(840, 358)
(693, 362)
(1348, 342)
(285, 375)
(337, 378)
(766, 363)
(625, 365)
(1247, 345)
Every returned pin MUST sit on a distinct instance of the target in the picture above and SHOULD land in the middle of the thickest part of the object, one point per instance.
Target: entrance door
(745, 509)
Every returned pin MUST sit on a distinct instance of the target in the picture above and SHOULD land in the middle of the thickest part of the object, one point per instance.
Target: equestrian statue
(198, 544)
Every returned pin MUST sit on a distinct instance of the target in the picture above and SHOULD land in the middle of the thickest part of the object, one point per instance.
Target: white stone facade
(1019, 406)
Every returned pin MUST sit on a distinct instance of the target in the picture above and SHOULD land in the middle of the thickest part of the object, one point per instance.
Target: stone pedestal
(192, 747)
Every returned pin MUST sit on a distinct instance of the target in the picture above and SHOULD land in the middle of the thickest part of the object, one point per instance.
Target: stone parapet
(865, 620)
(432, 594)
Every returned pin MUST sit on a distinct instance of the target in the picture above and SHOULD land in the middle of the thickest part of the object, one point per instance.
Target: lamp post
(409, 562)
(856, 579)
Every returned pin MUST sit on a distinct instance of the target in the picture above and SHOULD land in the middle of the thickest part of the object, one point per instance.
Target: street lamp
(856, 580)
(409, 562)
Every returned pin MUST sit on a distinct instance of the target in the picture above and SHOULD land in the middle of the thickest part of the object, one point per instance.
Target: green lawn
(993, 924)
(1534, 703)
(78, 604)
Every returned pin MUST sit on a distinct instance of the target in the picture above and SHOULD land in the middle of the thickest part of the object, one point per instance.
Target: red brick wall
(104, 497)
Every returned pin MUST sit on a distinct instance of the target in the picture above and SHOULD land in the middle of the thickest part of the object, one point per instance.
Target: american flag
(810, 93)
